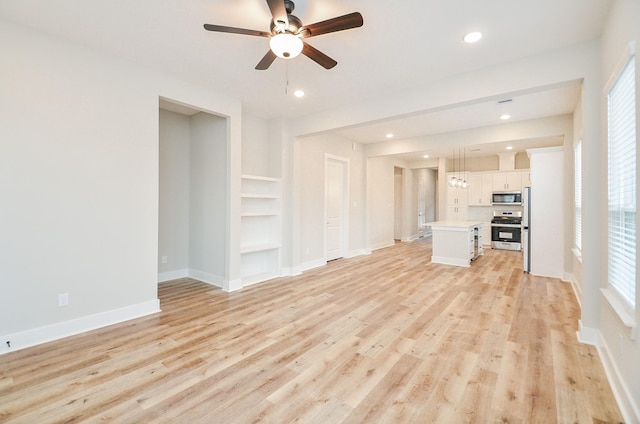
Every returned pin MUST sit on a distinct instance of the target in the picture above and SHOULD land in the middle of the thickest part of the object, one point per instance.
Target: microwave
(506, 198)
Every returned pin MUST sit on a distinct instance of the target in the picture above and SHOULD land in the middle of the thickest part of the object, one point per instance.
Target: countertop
(454, 225)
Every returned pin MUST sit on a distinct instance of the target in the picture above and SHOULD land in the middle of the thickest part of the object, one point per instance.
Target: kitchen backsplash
(485, 213)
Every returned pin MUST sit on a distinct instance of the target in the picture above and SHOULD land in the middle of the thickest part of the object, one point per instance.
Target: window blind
(622, 184)
(578, 193)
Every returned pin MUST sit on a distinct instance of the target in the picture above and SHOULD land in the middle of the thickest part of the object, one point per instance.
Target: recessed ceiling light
(472, 37)
(505, 116)
(509, 147)
(298, 93)
(426, 156)
(389, 135)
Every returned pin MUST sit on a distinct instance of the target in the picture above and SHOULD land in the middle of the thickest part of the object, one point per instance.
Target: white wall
(173, 217)
(255, 146)
(79, 179)
(381, 190)
(312, 192)
(620, 353)
(207, 200)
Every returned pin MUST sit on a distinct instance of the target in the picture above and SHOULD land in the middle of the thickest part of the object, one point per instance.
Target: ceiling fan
(287, 33)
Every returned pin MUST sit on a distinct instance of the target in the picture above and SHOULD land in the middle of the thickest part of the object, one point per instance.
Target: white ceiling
(402, 45)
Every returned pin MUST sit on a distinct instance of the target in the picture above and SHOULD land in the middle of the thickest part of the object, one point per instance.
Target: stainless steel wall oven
(506, 230)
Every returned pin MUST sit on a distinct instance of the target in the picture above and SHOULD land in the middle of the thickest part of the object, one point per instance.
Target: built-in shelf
(261, 228)
(256, 214)
(259, 196)
(258, 247)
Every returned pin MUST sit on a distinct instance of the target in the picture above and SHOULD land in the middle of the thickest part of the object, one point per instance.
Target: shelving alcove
(261, 228)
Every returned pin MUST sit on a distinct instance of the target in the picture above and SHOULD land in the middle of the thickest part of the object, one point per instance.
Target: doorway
(192, 194)
(336, 207)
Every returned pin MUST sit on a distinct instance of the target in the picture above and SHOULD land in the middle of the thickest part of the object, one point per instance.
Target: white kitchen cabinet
(526, 179)
(480, 189)
(507, 181)
(456, 198)
(456, 213)
(260, 229)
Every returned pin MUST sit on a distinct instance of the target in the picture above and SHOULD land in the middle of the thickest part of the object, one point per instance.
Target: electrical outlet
(164, 259)
(63, 299)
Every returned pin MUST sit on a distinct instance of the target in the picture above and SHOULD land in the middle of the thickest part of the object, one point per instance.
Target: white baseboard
(206, 277)
(312, 264)
(567, 277)
(383, 244)
(63, 329)
(587, 335)
(577, 291)
(628, 408)
(232, 285)
(172, 275)
(358, 252)
(290, 272)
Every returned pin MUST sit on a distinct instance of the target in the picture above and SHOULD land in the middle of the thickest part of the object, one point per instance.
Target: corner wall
(79, 177)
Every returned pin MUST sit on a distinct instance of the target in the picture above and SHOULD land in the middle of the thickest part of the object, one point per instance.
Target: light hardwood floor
(383, 338)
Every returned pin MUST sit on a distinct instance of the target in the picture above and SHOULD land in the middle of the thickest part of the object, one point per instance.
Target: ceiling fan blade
(318, 57)
(352, 20)
(234, 30)
(266, 61)
(279, 12)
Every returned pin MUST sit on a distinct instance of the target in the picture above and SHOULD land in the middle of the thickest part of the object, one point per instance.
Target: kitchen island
(456, 242)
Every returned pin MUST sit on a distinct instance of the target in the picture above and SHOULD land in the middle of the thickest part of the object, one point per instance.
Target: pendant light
(453, 180)
(464, 163)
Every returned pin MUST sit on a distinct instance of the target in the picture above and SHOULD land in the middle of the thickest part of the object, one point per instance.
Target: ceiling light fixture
(426, 156)
(286, 45)
(389, 135)
(298, 93)
(472, 37)
(509, 147)
(505, 116)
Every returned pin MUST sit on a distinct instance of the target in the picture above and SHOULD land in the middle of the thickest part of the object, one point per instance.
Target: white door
(335, 206)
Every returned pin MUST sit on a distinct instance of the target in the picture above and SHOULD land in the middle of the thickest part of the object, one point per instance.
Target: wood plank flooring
(383, 338)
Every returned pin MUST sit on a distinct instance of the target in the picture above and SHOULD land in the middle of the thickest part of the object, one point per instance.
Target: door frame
(344, 236)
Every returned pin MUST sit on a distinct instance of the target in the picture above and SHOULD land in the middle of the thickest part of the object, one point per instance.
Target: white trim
(577, 253)
(205, 277)
(577, 290)
(357, 252)
(232, 285)
(587, 335)
(628, 408)
(628, 52)
(383, 244)
(312, 264)
(172, 275)
(290, 271)
(63, 329)
(619, 309)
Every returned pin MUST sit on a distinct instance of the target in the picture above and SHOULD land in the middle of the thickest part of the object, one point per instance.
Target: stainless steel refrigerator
(526, 228)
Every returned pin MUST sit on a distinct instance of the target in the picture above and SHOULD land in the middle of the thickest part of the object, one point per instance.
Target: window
(622, 184)
(577, 167)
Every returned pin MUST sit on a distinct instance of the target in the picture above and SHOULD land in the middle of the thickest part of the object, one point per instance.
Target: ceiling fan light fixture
(286, 45)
